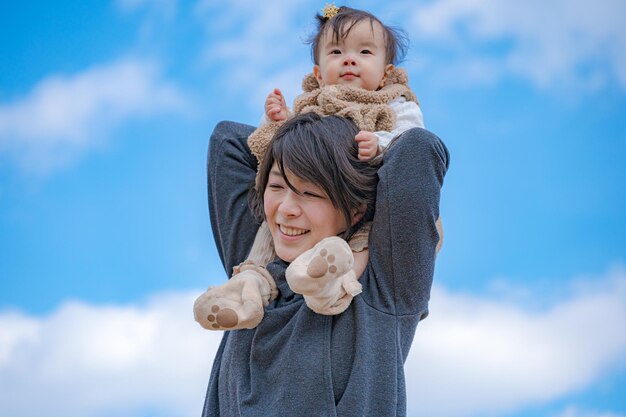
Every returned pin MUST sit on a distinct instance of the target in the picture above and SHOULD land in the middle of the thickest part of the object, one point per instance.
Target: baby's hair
(396, 39)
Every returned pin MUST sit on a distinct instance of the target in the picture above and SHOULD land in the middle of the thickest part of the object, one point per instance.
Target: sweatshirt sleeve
(231, 169)
(404, 236)
(408, 116)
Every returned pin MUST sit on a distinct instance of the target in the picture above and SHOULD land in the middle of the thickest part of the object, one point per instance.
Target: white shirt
(408, 115)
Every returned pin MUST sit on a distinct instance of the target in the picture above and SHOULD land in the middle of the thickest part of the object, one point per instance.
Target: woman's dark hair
(322, 151)
(340, 25)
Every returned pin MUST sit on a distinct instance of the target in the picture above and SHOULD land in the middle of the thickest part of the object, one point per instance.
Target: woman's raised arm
(231, 170)
(403, 237)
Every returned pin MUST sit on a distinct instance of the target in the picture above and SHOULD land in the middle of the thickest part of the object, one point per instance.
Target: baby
(354, 76)
(353, 48)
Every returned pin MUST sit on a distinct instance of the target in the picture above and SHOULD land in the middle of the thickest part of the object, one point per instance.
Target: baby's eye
(366, 51)
(335, 52)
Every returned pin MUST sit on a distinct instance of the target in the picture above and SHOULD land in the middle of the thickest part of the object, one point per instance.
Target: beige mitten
(324, 276)
(238, 303)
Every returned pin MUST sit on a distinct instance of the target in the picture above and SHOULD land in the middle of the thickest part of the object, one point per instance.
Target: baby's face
(358, 60)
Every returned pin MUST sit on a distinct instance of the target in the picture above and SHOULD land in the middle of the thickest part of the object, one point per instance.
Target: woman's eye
(312, 194)
(275, 186)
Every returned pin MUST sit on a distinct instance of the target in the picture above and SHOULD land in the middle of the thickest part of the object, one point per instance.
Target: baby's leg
(358, 244)
(262, 252)
(324, 275)
(327, 275)
(239, 303)
(360, 262)
(439, 226)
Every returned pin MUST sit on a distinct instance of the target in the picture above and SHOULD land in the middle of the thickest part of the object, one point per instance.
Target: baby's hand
(275, 106)
(368, 145)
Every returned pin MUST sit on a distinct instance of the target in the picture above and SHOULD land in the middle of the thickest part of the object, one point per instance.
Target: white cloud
(86, 360)
(252, 35)
(493, 356)
(575, 412)
(472, 356)
(65, 115)
(257, 44)
(569, 46)
(573, 43)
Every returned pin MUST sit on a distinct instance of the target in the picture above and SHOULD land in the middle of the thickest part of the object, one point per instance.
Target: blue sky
(105, 113)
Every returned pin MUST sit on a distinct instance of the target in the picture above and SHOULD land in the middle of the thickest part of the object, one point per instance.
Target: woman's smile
(298, 218)
(291, 231)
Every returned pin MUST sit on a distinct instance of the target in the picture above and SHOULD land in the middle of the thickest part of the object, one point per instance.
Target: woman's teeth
(290, 231)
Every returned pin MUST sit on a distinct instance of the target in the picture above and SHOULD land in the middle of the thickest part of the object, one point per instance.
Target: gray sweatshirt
(297, 362)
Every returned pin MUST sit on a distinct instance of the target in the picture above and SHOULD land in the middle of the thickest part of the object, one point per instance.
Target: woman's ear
(358, 214)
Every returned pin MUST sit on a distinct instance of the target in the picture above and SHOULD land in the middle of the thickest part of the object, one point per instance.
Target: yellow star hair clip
(330, 10)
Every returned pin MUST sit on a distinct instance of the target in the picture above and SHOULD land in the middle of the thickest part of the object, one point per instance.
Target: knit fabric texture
(369, 110)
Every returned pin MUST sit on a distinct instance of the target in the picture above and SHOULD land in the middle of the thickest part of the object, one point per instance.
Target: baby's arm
(275, 106)
(368, 145)
(408, 116)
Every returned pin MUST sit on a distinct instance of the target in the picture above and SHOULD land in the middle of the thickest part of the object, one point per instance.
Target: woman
(297, 362)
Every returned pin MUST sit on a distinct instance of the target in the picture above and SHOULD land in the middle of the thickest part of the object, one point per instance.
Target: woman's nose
(289, 205)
